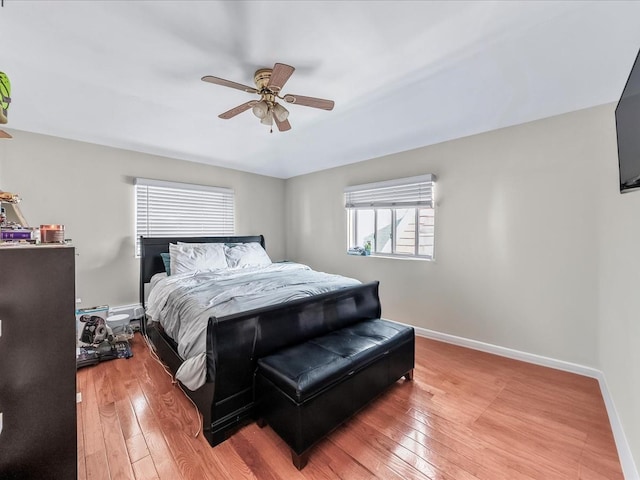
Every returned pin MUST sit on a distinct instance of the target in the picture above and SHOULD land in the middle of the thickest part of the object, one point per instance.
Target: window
(179, 209)
(393, 218)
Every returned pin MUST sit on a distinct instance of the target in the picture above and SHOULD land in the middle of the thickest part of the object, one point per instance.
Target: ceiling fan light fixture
(260, 109)
(280, 112)
(267, 119)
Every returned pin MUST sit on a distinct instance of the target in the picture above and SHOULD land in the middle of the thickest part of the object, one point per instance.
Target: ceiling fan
(269, 83)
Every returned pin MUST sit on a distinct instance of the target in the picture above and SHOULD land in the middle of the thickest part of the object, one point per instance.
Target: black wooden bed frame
(235, 342)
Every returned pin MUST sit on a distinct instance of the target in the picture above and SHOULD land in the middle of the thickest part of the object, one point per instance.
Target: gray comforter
(183, 303)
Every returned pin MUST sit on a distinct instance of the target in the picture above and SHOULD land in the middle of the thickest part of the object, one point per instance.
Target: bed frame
(235, 342)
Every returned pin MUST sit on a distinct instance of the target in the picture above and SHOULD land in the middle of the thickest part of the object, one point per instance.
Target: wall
(619, 286)
(3, 150)
(536, 250)
(515, 239)
(89, 189)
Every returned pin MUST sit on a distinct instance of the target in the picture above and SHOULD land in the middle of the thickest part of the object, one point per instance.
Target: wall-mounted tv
(628, 131)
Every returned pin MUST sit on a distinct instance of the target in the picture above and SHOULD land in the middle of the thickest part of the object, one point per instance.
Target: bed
(229, 335)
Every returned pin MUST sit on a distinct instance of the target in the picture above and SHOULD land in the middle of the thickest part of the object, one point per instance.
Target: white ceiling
(403, 74)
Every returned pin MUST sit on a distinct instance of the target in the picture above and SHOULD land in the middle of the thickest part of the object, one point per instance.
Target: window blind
(169, 209)
(401, 193)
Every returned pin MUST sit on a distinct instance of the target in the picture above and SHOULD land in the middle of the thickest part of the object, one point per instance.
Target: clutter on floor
(101, 336)
(105, 350)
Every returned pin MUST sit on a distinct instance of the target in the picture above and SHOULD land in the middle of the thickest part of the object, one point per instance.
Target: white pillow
(203, 257)
(246, 254)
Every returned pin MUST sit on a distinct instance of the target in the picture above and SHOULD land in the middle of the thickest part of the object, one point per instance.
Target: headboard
(151, 248)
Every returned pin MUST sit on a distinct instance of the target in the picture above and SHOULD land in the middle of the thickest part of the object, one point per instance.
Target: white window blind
(169, 209)
(400, 193)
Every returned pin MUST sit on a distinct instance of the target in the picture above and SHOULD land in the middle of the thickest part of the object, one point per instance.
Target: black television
(628, 131)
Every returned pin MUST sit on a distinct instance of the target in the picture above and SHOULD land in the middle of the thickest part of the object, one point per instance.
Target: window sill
(393, 257)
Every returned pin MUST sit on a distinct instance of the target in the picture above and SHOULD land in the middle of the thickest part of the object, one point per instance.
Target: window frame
(378, 199)
(222, 202)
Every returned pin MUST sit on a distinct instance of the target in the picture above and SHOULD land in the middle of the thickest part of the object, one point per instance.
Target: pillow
(246, 254)
(202, 257)
(166, 259)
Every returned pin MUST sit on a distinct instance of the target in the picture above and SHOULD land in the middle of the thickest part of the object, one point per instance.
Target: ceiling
(403, 74)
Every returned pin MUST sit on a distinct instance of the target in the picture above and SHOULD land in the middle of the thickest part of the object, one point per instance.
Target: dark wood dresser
(37, 363)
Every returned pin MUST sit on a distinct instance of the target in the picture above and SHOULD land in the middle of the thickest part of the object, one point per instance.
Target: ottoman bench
(305, 391)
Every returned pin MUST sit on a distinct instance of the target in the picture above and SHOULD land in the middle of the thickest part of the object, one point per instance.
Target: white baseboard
(624, 451)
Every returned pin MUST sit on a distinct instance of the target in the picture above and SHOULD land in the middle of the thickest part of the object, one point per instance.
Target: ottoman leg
(261, 422)
(409, 375)
(299, 460)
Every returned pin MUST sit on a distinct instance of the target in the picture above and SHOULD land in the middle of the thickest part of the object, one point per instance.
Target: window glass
(365, 224)
(427, 231)
(383, 231)
(405, 231)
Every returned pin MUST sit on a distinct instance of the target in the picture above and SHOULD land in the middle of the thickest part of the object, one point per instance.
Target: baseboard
(624, 451)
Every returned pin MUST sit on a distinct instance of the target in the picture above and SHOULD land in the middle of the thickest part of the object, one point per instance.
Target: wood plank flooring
(467, 415)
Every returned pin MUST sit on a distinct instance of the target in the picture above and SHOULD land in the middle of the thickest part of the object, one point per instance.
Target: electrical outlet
(78, 300)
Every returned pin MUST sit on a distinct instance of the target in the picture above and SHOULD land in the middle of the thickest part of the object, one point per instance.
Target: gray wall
(619, 289)
(515, 247)
(532, 245)
(535, 248)
(89, 189)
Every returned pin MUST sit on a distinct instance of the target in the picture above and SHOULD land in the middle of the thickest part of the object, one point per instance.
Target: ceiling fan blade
(4, 134)
(280, 75)
(310, 101)
(228, 83)
(282, 126)
(236, 110)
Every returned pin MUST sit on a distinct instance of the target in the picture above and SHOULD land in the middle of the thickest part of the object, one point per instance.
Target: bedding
(156, 278)
(188, 257)
(166, 260)
(246, 254)
(208, 256)
(183, 302)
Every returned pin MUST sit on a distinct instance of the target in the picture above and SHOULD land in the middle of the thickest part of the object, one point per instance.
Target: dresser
(37, 363)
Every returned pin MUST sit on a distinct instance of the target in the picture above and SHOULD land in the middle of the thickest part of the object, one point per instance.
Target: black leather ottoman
(305, 391)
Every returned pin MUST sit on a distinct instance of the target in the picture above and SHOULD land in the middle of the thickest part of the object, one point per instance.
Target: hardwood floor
(467, 415)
